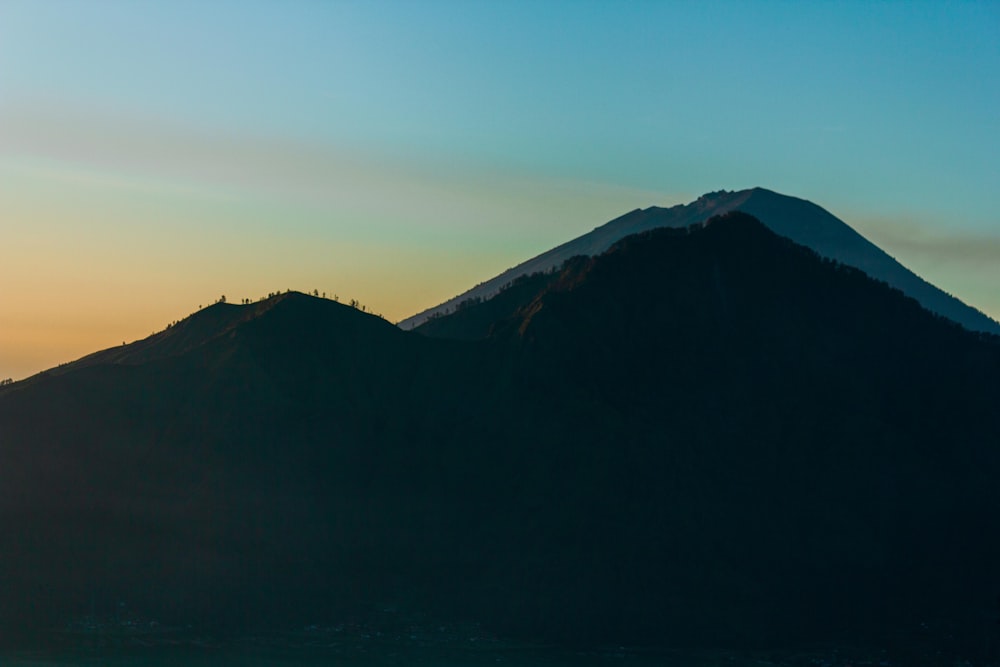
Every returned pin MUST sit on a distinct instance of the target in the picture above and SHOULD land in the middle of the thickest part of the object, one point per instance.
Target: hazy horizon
(156, 156)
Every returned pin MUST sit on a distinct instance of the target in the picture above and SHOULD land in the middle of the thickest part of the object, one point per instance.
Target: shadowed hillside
(749, 431)
(198, 480)
(705, 436)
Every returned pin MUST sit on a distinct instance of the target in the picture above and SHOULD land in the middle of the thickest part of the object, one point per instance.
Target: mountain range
(701, 435)
(799, 220)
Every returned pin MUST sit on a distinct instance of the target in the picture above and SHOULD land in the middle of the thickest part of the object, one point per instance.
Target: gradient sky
(156, 155)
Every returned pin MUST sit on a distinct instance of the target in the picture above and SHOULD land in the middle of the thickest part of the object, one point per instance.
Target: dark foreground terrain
(705, 437)
(442, 646)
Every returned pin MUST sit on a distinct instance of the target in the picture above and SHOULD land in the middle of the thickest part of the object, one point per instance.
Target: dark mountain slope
(719, 435)
(705, 436)
(810, 225)
(474, 319)
(272, 456)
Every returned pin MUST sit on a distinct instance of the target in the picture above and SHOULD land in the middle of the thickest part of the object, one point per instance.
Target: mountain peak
(797, 219)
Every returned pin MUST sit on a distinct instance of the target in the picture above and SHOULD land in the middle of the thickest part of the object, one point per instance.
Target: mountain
(148, 473)
(708, 436)
(802, 221)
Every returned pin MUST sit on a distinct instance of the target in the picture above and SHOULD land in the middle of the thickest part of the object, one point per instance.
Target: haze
(155, 156)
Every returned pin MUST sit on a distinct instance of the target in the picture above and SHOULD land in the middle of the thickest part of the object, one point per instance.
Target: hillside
(766, 445)
(155, 469)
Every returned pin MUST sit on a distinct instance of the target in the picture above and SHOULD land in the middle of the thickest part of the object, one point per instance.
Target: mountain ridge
(798, 219)
(708, 436)
(204, 325)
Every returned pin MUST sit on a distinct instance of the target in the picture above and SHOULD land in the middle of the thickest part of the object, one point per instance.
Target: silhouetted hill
(194, 479)
(221, 320)
(704, 436)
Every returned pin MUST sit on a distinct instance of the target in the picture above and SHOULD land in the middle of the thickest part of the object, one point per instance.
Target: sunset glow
(156, 156)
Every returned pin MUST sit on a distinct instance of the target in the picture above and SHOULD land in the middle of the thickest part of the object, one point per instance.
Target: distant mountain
(708, 436)
(802, 221)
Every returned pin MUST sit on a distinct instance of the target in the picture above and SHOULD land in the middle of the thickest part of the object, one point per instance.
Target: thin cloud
(135, 153)
(913, 239)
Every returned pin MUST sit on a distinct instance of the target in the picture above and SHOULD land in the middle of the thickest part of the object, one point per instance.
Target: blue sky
(154, 155)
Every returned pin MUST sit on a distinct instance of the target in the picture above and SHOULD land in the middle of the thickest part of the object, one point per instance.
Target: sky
(156, 155)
